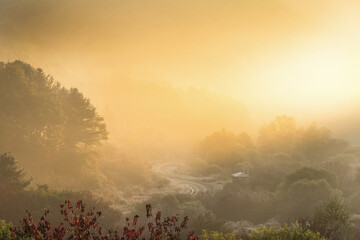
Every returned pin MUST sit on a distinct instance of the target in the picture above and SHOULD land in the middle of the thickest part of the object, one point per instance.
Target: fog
(275, 57)
(126, 102)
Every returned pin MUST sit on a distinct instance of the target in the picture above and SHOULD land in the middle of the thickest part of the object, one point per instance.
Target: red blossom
(80, 224)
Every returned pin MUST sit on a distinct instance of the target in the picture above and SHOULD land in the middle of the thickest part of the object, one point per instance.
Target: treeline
(329, 221)
(49, 128)
(81, 221)
(17, 197)
(59, 137)
(293, 171)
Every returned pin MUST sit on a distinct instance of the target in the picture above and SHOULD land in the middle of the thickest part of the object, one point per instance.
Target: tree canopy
(46, 126)
(12, 176)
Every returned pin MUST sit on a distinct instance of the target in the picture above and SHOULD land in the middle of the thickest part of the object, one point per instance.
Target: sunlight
(313, 77)
(182, 120)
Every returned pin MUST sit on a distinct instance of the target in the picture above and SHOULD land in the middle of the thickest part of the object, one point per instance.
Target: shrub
(213, 235)
(287, 232)
(332, 220)
(311, 174)
(5, 230)
(80, 224)
(294, 232)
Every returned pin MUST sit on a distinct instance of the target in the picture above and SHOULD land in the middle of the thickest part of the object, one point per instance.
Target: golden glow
(313, 78)
(296, 57)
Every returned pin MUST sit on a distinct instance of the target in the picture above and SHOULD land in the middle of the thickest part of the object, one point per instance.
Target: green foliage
(12, 207)
(279, 185)
(237, 201)
(304, 196)
(332, 219)
(84, 128)
(311, 190)
(5, 230)
(214, 235)
(47, 127)
(268, 174)
(15, 198)
(311, 174)
(303, 190)
(12, 176)
(31, 113)
(287, 232)
(207, 221)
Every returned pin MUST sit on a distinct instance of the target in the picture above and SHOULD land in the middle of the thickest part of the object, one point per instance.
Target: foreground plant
(5, 230)
(286, 232)
(79, 224)
(331, 219)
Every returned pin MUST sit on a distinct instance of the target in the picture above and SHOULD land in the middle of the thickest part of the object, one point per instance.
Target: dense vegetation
(58, 135)
(48, 127)
(303, 182)
(81, 224)
(292, 171)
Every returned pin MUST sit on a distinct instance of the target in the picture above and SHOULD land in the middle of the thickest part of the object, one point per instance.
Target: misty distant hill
(151, 113)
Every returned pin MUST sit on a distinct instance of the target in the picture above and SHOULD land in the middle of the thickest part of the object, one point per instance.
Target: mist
(122, 103)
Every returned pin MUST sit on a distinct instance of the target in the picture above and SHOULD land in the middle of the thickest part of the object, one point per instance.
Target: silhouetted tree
(12, 176)
(48, 128)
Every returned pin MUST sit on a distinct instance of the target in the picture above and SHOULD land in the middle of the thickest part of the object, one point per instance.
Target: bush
(304, 190)
(213, 235)
(5, 230)
(236, 201)
(207, 221)
(287, 232)
(311, 174)
(294, 232)
(331, 219)
(81, 224)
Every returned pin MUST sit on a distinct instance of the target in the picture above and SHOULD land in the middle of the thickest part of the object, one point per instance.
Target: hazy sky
(277, 56)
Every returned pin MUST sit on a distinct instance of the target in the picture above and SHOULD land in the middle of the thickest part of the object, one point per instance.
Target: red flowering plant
(79, 224)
